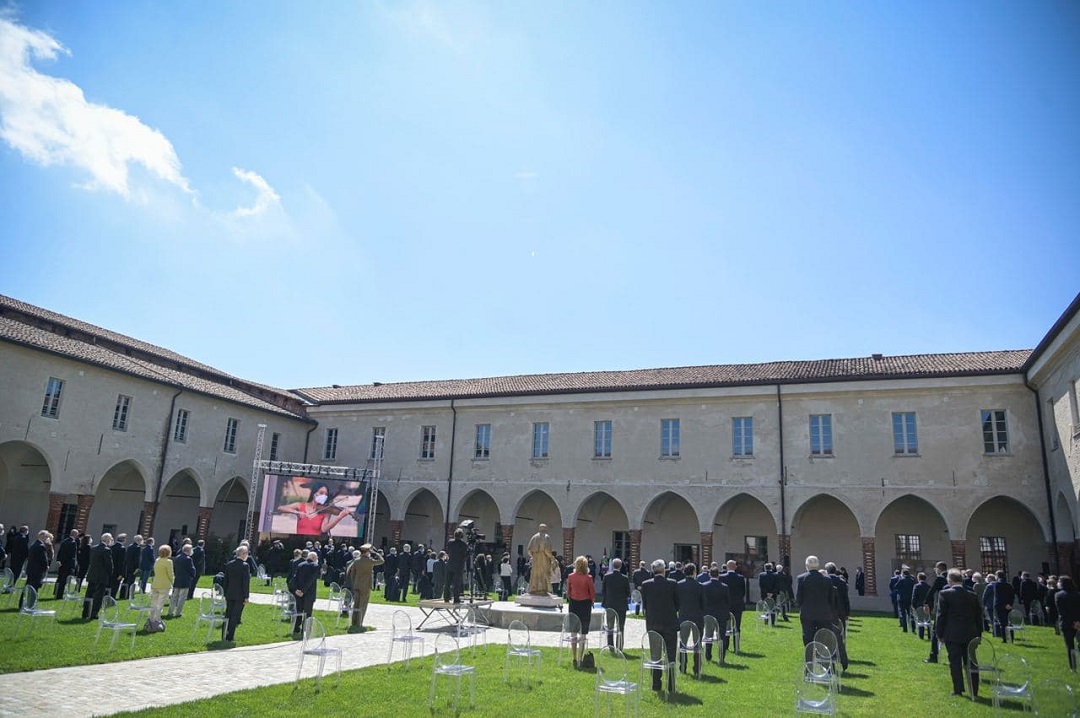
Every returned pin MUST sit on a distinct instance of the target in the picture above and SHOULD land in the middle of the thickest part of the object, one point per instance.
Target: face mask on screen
(320, 499)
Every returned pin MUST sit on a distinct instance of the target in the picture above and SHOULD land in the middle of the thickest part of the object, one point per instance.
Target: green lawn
(71, 641)
(887, 676)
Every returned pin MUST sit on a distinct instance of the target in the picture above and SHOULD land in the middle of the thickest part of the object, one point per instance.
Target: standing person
(99, 576)
(236, 584)
(892, 593)
(37, 562)
(198, 557)
(404, 572)
(691, 595)
(581, 594)
(439, 576)
(956, 622)
(358, 577)
(662, 615)
(457, 554)
(183, 579)
(767, 587)
(616, 588)
(936, 587)
(1067, 601)
(860, 582)
(147, 561)
(785, 586)
(817, 601)
(83, 558)
(506, 575)
(304, 585)
(640, 576)
(736, 592)
(1004, 598)
(132, 560)
(67, 554)
(160, 587)
(717, 605)
(918, 602)
(904, 591)
(18, 548)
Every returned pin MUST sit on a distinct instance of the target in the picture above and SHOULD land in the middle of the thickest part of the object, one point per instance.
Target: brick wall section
(84, 502)
(784, 541)
(52, 521)
(149, 509)
(706, 548)
(635, 549)
(507, 533)
(202, 524)
(568, 545)
(869, 560)
(396, 527)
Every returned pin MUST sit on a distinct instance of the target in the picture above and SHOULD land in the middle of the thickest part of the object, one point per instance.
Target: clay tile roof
(722, 375)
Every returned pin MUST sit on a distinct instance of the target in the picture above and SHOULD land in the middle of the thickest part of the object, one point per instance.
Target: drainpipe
(450, 477)
(783, 501)
(1046, 478)
(307, 440)
(164, 454)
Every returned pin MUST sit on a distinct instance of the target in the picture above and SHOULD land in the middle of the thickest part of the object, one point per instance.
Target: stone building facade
(870, 462)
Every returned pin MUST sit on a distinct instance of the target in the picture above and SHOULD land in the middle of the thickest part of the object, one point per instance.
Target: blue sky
(313, 193)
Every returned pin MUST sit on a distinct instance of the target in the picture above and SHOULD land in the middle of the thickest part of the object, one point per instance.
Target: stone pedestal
(537, 600)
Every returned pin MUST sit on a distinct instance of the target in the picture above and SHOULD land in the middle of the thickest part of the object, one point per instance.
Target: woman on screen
(317, 515)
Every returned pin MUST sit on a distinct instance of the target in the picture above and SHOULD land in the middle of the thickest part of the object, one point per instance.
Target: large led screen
(314, 506)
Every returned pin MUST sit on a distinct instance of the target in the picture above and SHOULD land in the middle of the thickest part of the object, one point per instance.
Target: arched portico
(382, 537)
(423, 520)
(25, 481)
(119, 500)
(178, 507)
(478, 506)
(535, 508)
(745, 530)
(602, 528)
(1003, 533)
(671, 530)
(824, 526)
(910, 532)
(231, 511)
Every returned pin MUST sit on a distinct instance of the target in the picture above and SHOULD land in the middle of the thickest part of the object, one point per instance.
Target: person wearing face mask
(317, 515)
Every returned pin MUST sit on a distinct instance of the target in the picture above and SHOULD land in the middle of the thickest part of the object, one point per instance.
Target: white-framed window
(378, 438)
(742, 436)
(50, 407)
(330, 445)
(669, 438)
(275, 443)
(483, 442)
(180, 430)
(120, 413)
(541, 434)
(995, 431)
(230, 436)
(905, 435)
(602, 439)
(427, 442)
(821, 443)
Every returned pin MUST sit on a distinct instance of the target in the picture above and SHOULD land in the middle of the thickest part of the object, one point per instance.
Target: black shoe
(931, 659)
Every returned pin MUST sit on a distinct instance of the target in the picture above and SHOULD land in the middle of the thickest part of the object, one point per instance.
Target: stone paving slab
(80, 691)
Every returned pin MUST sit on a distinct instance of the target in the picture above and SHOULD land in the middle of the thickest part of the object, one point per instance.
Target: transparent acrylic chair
(609, 629)
(448, 665)
(32, 611)
(814, 691)
(612, 680)
(401, 634)
(569, 635)
(519, 650)
(209, 613)
(655, 658)
(109, 620)
(314, 644)
(1012, 681)
(733, 633)
(690, 650)
(712, 638)
(1055, 698)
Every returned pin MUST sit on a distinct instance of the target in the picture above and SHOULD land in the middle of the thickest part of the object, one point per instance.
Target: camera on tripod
(472, 536)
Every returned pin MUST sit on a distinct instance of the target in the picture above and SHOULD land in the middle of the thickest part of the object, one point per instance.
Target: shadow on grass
(848, 674)
(220, 645)
(856, 692)
(734, 667)
(862, 663)
(681, 699)
(746, 654)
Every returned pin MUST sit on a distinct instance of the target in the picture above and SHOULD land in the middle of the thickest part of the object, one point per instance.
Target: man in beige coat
(358, 577)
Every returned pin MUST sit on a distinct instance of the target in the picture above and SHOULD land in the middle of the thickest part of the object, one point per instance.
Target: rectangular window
(669, 438)
(50, 407)
(993, 554)
(905, 437)
(908, 548)
(541, 430)
(602, 441)
(275, 442)
(120, 413)
(742, 436)
(427, 442)
(821, 435)
(757, 548)
(230, 436)
(378, 437)
(995, 432)
(620, 545)
(482, 449)
(330, 445)
(180, 430)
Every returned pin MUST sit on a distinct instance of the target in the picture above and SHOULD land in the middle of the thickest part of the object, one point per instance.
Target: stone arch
(599, 518)
(914, 516)
(1063, 518)
(383, 535)
(1007, 518)
(738, 526)
(670, 529)
(229, 520)
(119, 499)
(482, 509)
(535, 508)
(826, 527)
(177, 511)
(25, 482)
(423, 519)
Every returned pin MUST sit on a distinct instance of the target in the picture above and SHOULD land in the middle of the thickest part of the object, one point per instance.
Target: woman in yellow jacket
(161, 585)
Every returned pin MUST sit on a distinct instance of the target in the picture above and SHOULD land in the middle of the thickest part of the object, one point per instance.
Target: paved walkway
(80, 691)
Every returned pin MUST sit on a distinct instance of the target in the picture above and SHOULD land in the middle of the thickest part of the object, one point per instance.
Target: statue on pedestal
(543, 562)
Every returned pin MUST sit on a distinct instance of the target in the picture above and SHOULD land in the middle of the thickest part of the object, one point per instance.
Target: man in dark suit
(892, 593)
(736, 585)
(936, 587)
(37, 562)
(691, 596)
(956, 622)
(404, 572)
(767, 587)
(785, 586)
(236, 584)
(132, 559)
(662, 615)
(918, 601)
(816, 597)
(198, 557)
(717, 605)
(1004, 598)
(1029, 592)
(616, 588)
(18, 547)
(640, 576)
(304, 585)
(904, 590)
(99, 576)
(67, 556)
(456, 552)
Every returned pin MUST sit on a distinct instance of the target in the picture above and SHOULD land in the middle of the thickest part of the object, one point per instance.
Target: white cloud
(266, 198)
(50, 121)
